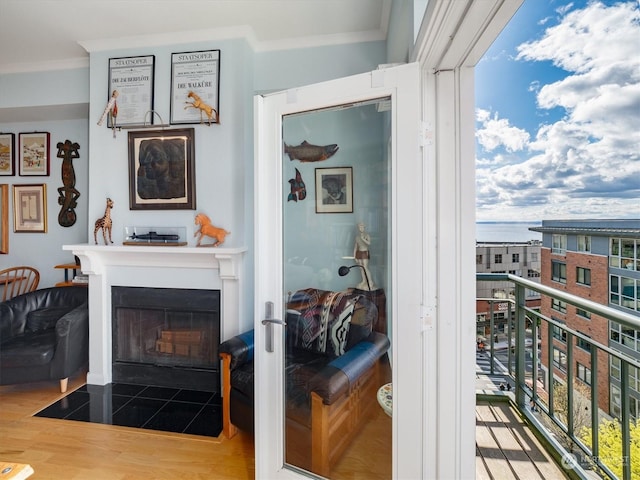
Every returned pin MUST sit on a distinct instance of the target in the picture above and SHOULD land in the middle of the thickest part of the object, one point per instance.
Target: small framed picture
(7, 154)
(162, 170)
(30, 208)
(334, 190)
(34, 154)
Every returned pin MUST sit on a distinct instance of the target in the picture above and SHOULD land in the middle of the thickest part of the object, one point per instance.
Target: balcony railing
(555, 403)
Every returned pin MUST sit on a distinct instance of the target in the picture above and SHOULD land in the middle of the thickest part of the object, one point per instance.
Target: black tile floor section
(140, 406)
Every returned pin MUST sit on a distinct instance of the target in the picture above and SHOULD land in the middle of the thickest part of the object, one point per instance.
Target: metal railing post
(521, 325)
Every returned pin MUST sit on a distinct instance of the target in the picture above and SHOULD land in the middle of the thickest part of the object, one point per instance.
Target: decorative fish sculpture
(298, 188)
(305, 152)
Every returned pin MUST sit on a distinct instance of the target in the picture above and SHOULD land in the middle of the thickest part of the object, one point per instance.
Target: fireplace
(166, 337)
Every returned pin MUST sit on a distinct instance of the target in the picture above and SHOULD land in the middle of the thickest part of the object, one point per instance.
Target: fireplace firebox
(166, 337)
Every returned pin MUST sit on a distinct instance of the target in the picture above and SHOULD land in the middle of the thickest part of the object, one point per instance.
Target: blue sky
(558, 114)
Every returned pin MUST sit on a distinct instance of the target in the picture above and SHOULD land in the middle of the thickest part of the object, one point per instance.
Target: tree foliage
(610, 446)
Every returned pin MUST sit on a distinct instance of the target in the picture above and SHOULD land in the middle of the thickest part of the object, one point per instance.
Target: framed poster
(34, 154)
(7, 154)
(4, 218)
(195, 87)
(30, 208)
(132, 78)
(162, 170)
(334, 190)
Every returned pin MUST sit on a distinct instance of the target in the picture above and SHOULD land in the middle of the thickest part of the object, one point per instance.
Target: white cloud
(588, 163)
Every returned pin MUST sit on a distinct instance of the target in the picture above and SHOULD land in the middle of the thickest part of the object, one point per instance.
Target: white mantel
(206, 268)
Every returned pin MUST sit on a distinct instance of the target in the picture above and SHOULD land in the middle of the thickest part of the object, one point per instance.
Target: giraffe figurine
(105, 223)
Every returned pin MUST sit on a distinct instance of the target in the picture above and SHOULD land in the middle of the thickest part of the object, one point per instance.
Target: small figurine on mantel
(208, 230)
(105, 223)
(361, 255)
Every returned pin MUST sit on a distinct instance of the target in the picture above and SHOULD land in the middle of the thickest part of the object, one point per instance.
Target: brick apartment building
(518, 258)
(598, 260)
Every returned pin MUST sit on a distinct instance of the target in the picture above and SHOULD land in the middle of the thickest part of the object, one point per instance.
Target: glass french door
(339, 268)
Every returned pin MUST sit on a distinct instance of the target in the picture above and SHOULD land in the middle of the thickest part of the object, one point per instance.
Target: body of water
(506, 232)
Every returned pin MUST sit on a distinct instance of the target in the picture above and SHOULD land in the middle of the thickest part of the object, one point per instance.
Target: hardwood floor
(69, 450)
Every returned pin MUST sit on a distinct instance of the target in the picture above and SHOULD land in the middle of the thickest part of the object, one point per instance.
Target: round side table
(385, 398)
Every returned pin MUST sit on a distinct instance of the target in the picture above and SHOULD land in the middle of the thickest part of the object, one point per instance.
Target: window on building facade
(478, 259)
(560, 359)
(559, 305)
(533, 273)
(583, 276)
(559, 333)
(534, 256)
(497, 258)
(616, 405)
(615, 370)
(515, 258)
(583, 313)
(559, 272)
(559, 244)
(624, 291)
(624, 253)
(626, 336)
(584, 243)
(583, 344)
(583, 373)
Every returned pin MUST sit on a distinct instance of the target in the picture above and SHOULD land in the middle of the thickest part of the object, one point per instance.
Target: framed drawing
(34, 154)
(4, 218)
(7, 154)
(30, 208)
(132, 78)
(334, 190)
(162, 170)
(195, 87)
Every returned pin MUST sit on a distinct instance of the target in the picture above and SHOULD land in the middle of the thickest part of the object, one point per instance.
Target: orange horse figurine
(203, 107)
(206, 229)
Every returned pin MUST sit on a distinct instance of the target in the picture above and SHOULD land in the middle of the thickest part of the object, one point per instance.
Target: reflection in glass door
(337, 281)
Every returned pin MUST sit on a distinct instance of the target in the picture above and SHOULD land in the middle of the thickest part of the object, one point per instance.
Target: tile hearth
(140, 406)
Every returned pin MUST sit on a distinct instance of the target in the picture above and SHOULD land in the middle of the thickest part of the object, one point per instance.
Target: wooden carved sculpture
(203, 107)
(105, 223)
(67, 151)
(206, 229)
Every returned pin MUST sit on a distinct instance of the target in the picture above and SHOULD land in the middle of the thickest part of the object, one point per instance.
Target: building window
(616, 405)
(533, 273)
(534, 256)
(560, 359)
(626, 336)
(559, 333)
(615, 370)
(515, 258)
(559, 305)
(478, 259)
(624, 253)
(584, 243)
(497, 258)
(583, 313)
(625, 292)
(559, 244)
(583, 373)
(583, 344)
(583, 276)
(559, 272)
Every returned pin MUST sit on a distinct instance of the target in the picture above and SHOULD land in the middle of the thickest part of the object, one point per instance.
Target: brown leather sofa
(44, 335)
(333, 370)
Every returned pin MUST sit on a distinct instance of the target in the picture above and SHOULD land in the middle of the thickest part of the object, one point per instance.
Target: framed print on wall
(334, 190)
(132, 78)
(7, 154)
(195, 87)
(30, 208)
(34, 154)
(162, 170)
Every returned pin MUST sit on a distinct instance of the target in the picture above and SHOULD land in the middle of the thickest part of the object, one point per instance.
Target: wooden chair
(18, 280)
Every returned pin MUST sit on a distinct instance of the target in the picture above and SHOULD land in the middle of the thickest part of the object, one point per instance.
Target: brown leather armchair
(44, 335)
(333, 371)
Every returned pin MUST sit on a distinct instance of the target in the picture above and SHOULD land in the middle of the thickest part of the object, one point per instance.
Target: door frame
(401, 84)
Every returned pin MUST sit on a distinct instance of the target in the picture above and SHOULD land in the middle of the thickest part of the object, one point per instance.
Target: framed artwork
(30, 208)
(162, 170)
(7, 154)
(334, 190)
(4, 218)
(195, 87)
(34, 154)
(132, 78)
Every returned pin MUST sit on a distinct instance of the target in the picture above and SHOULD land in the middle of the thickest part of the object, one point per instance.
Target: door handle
(268, 322)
